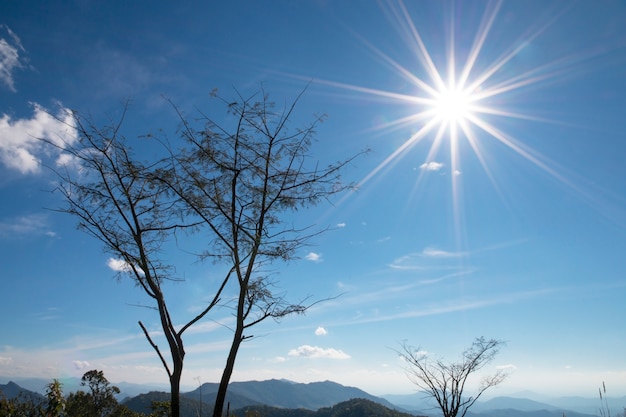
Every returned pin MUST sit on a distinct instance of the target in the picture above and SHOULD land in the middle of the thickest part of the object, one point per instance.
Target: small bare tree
(445, 382)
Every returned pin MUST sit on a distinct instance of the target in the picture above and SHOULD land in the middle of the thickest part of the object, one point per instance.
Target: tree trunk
(175, 393)
(228, 371)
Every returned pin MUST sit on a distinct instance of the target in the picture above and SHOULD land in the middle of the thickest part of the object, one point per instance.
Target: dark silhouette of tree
(100, 401)
(239, 179)
(115, 199)
(231, 183)
(446, 382)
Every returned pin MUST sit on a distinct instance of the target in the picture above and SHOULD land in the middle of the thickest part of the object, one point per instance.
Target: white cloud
(21, 148)
(5, 360)
(314, 257)
(341, 225)
(431, 166)
(320, 331)
(32, 224)
(507, 367)
(10, 60)
(81, 364)
(316, 352)
(119, 265)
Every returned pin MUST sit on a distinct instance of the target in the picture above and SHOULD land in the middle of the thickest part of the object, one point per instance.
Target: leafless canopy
(446, 382)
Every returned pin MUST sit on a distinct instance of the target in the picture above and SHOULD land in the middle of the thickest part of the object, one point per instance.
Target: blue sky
(496, 210)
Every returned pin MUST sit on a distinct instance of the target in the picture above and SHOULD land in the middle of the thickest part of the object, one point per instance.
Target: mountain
(508, 412)
(356, 407)
(520, 404)
(12, 390)
(38, 385)
(285, 394)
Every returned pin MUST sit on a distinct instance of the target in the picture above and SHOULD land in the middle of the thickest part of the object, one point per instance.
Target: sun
(452, 105)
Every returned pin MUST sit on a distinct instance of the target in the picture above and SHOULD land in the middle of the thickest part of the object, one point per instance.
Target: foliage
(100, 401)
(22, 405)
(55, 399)
(445, 382)
(160, 409)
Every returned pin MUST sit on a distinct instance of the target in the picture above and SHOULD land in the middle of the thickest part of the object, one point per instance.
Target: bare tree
(446, 382)
(232, 184)
(239, 179)
(115, 199)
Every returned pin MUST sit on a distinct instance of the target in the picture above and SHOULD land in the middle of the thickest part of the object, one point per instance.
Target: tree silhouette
(238, 179)
(230, 183)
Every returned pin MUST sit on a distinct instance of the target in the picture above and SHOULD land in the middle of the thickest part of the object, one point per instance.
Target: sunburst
(452, 102)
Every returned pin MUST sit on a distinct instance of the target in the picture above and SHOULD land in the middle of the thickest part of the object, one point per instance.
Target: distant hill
(536, 413)
(572, 406)
(520, 404)
(285, 394)
(356, 407)
(12, 390)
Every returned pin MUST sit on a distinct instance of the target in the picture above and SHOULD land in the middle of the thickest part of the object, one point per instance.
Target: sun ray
(414, 139)
(422, 51)
(479, 41)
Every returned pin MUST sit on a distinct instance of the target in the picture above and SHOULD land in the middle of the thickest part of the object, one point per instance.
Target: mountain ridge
(286, 394)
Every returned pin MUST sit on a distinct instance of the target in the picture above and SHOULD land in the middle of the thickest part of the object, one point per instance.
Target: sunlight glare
(452, 105)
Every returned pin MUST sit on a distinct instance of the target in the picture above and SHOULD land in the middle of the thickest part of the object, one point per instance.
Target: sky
(492, 201)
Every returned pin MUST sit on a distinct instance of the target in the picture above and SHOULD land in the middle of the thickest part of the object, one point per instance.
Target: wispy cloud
(452, 306)
(341, 225)
(424, 260)
(81, 364)
(21, 147)
(316, 352)
(437, 253)
(29, 225)
(11, 56)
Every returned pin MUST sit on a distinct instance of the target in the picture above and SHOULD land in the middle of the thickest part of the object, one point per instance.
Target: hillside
(12, 390)
(285, 394)
(356, 407)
